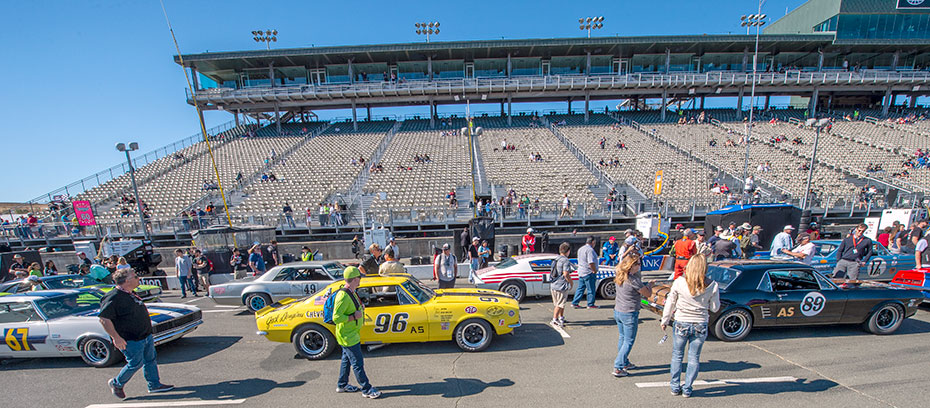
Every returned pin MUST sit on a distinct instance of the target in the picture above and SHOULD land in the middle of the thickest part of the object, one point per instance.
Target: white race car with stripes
(528, 275)
(64, 323)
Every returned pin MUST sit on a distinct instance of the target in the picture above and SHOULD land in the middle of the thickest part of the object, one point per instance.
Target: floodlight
(581, 27)
(742, 18)
(580, 21)
(121, 147)
(274, 39)
(601, 18)
(600, 25)
(430, 31)
(588, 20)
(417, 25)
(418, 31)
(437, 24)
(133, 145)
(437, 31)
(274, 32)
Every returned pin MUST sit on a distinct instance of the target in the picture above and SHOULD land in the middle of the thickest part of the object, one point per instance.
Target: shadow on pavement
(908, 326)
(226, 390)
(772, 388)
(706, 366)
(447, 388)
(194, 348)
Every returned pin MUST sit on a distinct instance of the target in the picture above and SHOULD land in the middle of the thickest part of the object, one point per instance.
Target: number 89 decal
(812, 304)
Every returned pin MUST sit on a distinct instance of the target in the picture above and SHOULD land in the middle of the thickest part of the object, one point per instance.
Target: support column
(886, 103)
(196, 79)
(569, 104)
(271, 73)
(820, 60)
(432, 114)
(502, 107)
(767, 99)
(237, 117)
(702, 103)
(587, 65)
(813, 103)
(351, 74)
(354, 117)
(912, 101)
(509, 66)
(894, 60)
(829, 101)
(368, 112)
(739, 102)
(277, 118)
(509, 110)
(429, 67)
(745, 58)
(587, 101)
(664, 102)
(668, 60)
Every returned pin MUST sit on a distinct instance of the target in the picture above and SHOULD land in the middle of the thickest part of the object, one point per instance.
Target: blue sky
(80, 76)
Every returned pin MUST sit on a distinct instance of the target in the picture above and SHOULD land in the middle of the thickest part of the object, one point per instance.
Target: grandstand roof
(619, 46)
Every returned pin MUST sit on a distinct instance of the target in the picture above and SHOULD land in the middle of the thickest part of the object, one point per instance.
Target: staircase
(482, 185)
(355, 199)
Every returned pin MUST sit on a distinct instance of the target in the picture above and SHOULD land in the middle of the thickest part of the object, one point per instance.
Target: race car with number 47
(770, 293)
(398, 309)
(295, 279)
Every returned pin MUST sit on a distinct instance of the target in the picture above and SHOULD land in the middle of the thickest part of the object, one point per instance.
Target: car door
(23, 331)
(763, 305)
(307, 281)
(538, 283)
(392, 316)
(900, 262)
(881, 266)
(280, 286)
(804, 297)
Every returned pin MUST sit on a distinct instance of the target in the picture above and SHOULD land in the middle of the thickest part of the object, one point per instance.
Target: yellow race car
(398, 309)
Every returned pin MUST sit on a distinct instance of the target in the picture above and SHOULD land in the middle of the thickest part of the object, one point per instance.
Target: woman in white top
(690, 300)
(121, 263)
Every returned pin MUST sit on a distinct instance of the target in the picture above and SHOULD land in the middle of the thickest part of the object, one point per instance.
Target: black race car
(765, 293)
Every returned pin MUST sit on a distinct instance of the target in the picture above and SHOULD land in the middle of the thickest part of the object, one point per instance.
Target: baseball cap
(701, 233)
(757, 228)
(628, 231)
(612, 238)
(803, 235)
(476, 239)
(719, 228)
(630, 240)
(788, 227)
(528, 230)
(679, 226)
(445, 246)
(351, 272)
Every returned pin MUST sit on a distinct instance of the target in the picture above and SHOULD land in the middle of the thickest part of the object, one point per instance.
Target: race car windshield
(334, 270)
(422, 293)
(723, 276)
(66, 305)
(506, 263)
(65, 283)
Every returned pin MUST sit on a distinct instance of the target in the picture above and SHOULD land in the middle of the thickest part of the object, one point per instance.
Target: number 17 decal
(16, 339)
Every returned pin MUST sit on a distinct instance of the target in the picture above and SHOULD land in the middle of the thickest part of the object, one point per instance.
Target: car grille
(175, 323)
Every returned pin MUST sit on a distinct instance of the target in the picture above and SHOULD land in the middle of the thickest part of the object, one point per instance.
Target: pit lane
(224, 362)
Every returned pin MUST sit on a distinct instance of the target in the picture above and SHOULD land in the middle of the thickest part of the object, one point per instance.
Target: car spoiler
(265, 310)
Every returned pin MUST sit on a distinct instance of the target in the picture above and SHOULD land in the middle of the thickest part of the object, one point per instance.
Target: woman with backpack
(629, 292)
(690, 300)
(561, 285)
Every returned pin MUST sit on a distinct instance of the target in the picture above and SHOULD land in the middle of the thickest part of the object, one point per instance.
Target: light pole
(427, 29)
(267, 37)
(752, 20)
(133, 146)
(817, 124)
(591, 23)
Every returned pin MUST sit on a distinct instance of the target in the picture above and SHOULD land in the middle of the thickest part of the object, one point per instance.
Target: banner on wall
(914, 4)
(84, 213)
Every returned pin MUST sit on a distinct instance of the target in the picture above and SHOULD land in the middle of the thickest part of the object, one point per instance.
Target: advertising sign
(658, 186)
(914, 4)
(84, 213)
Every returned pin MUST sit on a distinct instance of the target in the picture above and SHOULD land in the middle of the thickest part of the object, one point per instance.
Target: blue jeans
(627, 323)
(585, 283)
(140, 354)
(192, 282)
(695, 334)
(352, 356)
(182, 280)
(474, 267)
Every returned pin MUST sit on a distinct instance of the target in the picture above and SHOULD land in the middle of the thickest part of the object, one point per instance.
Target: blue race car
(881, 267)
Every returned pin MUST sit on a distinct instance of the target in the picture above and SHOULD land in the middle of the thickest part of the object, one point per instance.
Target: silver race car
(64, 323)
(291, 280)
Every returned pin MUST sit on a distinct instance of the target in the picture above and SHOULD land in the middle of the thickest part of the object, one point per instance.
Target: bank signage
(914, 4)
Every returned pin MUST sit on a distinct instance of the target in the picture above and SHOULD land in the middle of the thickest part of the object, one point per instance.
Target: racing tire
(515, 289)
(256, 301)
(733, 325)
(473, 335)
(885, 320)
(98, 352)
(313, 342)
(607, 289)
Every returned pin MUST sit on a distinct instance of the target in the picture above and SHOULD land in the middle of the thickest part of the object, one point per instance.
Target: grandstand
(657, 81)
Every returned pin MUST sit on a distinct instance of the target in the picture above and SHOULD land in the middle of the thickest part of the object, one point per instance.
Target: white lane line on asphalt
(822, 375)
(230, 306)
(723, 382)
(168, 404)
(194, 300)
(560, 330)
(221, 310)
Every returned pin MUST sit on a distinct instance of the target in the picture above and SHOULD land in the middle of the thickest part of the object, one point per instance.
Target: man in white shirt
(781, 243)
(587, 274)
(804, 252)
(920, 252)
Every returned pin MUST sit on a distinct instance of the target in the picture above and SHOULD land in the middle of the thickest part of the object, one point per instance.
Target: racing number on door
(812, 304)
(308, 289)
(383, 323)
(16, 339)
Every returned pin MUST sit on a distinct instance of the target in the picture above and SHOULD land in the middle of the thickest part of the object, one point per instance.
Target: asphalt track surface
(224, 363)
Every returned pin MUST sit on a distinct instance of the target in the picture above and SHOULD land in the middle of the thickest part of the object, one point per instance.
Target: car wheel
(97, 352)
(474, 335)
(256, 301)
(608, 289)
(885, 320)
(314, 342)
(515, 289)
(733, 325)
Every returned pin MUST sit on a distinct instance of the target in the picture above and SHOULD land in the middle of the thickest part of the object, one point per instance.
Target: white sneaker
(555, 323)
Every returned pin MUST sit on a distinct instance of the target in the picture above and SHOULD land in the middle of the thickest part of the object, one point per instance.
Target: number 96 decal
(812, 304)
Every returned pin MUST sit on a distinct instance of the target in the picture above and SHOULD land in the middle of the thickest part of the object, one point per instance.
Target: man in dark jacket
(853, 253)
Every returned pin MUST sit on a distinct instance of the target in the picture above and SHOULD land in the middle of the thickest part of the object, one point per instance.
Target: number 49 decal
(16, 339)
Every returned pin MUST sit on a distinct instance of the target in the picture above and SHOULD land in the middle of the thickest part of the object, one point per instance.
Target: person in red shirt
(529, 242)
(885, 236)
(684, 249)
